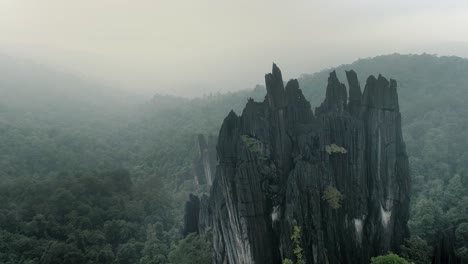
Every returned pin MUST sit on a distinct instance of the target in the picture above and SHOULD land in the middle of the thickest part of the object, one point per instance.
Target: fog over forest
(222, 132)
(190, 48)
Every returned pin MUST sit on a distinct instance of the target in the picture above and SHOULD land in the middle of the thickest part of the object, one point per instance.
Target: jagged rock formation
(278, 161)
(197, 215)
(205, 164)
(191, 215)
(205, 215)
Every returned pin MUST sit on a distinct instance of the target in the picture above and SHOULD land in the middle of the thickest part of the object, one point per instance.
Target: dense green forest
(103, 180)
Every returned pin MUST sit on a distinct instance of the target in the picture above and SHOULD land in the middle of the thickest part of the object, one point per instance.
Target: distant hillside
(27, 84)
(423, 80)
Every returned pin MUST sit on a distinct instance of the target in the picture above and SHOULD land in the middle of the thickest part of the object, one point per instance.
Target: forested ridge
(106, 184)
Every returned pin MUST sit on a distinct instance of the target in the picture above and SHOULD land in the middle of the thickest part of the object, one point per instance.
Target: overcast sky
(193, 47)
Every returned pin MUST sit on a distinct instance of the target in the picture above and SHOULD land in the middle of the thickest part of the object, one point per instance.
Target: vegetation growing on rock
(389, 259)
(254, 146)
(333, 148)
(297, 250)
(333, 197)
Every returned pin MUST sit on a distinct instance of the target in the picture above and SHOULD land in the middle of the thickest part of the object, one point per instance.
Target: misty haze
(233, 132)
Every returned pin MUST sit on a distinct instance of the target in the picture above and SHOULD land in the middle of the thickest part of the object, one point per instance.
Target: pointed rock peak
(336, 96)
(292, 84)
(352, 78)
(231, 115)
(350, 72)
(355, 94)
(333, 79)
(294, 94)
(381, 94)
(394, 94)
(371, 79)
(353, 82)
(299, 110)
(382, 80)
(229, 128)
(335, 87)
(354, 86)
(276, 71)
(275, 88)
(275, 74)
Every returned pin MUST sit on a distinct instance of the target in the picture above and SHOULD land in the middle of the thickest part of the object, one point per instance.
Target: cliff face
(341, 175)
(204, 166)
(191, 216)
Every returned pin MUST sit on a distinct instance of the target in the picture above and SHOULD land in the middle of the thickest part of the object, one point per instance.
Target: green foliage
(461, 240)
(333, 197)
(129, 253)
(462, 253)
(461, 234)
(417, 251)
(389, 259)
(333, 148)
(249, 141)
(91, 218)
(296, 240)
(193, 249)
(155, 251)
(59, 252)
(428, 219)
(253, 145)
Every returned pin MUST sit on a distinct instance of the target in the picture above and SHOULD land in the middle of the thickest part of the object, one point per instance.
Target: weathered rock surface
(205, 165)
(277, 159)
(191, 215)
(197, 215)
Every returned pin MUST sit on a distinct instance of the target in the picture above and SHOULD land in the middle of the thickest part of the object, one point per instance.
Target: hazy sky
(193, 47)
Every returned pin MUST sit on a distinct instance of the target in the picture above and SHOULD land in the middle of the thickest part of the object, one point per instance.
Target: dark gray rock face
(355, 95)
(205, 164)
(205, 217)
(278, 161)
(191, 215)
